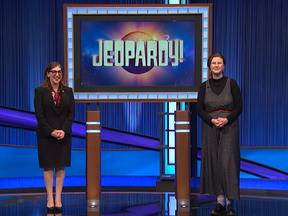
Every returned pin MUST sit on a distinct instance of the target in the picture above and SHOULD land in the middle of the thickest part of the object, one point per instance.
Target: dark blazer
(51, 151)
(47, 115)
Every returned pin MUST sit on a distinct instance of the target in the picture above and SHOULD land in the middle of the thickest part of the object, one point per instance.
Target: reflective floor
(139, 203)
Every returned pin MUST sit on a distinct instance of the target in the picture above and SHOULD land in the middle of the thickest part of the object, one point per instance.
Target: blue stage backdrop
(252, 35)
(31, 37)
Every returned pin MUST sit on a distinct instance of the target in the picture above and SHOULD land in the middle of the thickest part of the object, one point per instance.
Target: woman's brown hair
(210, 60)
(46, 82)
(213, 56)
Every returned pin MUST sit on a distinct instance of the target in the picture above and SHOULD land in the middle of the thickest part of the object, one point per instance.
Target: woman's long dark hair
(46, 82)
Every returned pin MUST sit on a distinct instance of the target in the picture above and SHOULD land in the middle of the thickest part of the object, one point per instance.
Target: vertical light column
(93, 160)
(182, 159)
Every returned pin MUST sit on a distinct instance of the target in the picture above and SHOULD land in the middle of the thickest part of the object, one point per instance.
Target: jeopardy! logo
(137, 52)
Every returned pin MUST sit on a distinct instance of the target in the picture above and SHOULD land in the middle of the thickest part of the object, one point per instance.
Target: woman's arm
(200, 105)
(40, 114)
(237, 99)
(66, 126)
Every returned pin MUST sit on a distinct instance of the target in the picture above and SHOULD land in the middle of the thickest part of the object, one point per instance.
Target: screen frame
(78, 18)
(191, 96)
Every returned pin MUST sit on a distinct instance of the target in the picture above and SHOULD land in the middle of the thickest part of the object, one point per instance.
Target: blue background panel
(22, 162)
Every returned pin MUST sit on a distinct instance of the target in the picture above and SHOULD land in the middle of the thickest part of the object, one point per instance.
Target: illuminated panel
(173, 9)
(169, 139)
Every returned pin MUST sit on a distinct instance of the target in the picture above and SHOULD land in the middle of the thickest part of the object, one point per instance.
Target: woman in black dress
(54, 110)
(219, 104)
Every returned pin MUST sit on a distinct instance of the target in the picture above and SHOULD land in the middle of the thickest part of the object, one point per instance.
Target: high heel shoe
(58, 209)
(50, 209)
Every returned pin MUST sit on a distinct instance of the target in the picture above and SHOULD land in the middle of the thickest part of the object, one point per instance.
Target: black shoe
(50, 210)
(218, 210)
(230, 210)
(58, 209)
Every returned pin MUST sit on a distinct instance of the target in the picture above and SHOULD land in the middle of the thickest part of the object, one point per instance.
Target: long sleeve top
(217, 86)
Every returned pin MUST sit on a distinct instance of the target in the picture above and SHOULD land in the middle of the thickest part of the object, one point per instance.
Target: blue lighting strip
(31, 182)
(93, 131)
(92, 123)
(182, 131)
(12, 117)
(184, 122)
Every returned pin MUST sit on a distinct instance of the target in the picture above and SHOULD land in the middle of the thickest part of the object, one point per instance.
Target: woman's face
(217, 65)
(55, 75)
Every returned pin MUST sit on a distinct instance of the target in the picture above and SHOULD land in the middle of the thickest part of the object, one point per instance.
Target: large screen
(137, 52)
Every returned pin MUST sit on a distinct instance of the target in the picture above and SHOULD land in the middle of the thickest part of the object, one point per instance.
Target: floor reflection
(142, 204)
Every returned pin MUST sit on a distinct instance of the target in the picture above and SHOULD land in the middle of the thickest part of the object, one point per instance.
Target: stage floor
(140, 203)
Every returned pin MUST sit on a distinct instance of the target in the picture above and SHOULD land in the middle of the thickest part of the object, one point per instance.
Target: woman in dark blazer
(55, 110)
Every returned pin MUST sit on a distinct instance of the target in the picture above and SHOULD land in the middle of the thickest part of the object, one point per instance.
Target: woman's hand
(58, 134)
(61, 134)
(220, 122)
(54, 134)
(223, 121)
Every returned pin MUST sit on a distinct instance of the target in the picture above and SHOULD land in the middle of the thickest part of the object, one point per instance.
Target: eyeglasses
(55, 72)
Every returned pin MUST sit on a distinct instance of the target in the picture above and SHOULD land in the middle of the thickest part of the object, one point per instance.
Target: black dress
(53, 152)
